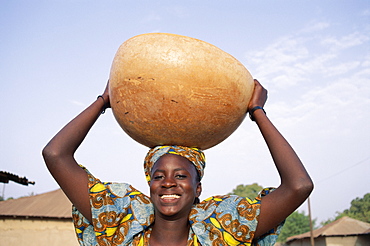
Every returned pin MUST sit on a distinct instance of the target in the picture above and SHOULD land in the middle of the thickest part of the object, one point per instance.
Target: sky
(313, 57)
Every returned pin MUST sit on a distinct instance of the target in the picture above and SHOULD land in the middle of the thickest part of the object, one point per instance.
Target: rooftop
(53, 204)
(344, 226)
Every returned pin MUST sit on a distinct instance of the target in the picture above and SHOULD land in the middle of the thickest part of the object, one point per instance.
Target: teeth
(169, 196)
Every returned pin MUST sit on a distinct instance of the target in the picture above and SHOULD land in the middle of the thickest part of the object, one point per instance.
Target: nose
(169, 182)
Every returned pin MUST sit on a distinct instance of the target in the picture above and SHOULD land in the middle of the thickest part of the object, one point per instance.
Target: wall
(36, 232)
(362, 240)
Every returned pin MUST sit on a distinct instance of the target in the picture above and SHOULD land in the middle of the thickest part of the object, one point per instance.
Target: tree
(330, 220)
(3, 199)
(359, 210)
(250, 191)
(296, 223)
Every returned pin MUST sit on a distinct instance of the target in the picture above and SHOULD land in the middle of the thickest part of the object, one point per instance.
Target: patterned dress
(123, 215)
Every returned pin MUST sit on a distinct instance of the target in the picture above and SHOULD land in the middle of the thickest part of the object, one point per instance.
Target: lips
(172, 196)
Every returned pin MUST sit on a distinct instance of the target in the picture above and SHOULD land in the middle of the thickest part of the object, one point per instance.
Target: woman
(117, 214)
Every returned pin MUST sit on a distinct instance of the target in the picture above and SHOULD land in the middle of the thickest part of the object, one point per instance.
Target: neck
(170, 232)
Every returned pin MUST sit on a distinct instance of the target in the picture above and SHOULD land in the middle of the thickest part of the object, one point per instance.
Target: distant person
(118, 214)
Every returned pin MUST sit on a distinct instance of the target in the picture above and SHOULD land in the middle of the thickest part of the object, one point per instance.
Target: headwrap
(194, 155)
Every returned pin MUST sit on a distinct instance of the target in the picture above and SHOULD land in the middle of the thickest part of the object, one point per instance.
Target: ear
(199, 189)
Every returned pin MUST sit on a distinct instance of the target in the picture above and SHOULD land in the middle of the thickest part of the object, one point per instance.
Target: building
(43, 219)
(342, 232)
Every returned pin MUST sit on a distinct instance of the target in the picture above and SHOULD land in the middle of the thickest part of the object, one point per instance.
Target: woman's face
(174, 186)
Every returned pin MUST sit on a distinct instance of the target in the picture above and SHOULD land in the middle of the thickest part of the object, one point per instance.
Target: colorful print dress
(123, 215)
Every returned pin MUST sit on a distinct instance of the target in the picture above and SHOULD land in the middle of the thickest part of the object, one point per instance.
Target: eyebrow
(177, 169)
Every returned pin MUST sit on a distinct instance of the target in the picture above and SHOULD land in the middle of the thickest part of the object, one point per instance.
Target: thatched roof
(344, 226)
(53, 204)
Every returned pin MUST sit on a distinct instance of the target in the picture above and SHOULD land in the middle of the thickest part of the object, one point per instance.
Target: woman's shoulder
(219, 199)
(229, 204)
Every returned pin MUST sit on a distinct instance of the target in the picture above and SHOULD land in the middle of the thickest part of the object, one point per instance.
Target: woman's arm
(296, 184)
(59, 155)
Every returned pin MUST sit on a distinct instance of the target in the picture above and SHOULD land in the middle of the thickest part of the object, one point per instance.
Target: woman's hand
(59, 154)
(259, 96)
(105, 95)
(296, 185)
(105, 98)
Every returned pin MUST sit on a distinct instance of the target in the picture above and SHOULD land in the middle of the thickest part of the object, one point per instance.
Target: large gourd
(168, 89)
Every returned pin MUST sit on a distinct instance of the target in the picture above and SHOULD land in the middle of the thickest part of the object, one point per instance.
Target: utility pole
(311, 229)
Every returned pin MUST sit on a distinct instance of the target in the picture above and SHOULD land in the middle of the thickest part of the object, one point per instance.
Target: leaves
(296, 223)
(359, 210)
(250, 191)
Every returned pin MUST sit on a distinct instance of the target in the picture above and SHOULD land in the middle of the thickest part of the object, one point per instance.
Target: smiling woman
(117, 214)
(172, 215)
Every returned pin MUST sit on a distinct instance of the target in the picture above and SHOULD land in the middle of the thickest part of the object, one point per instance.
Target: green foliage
(330, 220)
(296, 223)
(359, 210)
(2, 198)
(250, 191)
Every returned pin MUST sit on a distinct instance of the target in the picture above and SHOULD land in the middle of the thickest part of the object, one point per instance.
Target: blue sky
(312, 56)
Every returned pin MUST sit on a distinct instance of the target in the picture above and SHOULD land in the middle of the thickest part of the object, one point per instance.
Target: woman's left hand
(259, 96)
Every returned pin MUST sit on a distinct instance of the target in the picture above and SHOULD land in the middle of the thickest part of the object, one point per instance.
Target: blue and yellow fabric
(123, 215)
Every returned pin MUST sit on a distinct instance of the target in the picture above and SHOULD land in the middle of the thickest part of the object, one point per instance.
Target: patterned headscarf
(194, 155)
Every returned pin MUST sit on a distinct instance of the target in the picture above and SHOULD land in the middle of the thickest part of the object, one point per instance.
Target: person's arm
(59, 155)
(296, 184)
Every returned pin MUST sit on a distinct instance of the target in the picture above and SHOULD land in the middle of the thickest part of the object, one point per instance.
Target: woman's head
(194, 155)
(174, 174)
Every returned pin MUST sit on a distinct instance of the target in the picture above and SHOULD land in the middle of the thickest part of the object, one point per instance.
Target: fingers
(258, 84)
(259, 95)
(106, 95)
(106, 91)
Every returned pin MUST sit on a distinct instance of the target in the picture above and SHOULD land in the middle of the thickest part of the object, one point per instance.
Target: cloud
(78, 103)
(304, 58)
(280, 61)
(315, 26)
(345, 42)
(319, 89)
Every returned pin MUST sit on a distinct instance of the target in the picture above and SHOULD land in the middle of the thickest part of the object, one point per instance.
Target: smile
(170, 196)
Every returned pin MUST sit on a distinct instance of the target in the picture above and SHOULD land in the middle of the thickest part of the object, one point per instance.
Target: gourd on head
(168, 89)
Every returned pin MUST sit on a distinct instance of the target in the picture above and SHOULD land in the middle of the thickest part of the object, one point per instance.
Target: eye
(181, 176)
(157, 177)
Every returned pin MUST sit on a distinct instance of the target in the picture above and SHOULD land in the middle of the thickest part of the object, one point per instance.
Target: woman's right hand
(59, 154)
(105, 96)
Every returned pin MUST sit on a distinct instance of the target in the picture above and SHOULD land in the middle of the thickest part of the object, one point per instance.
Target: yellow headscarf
(194, 155)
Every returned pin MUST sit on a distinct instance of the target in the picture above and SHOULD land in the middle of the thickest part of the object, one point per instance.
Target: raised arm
(296, 184)
(59, 155)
